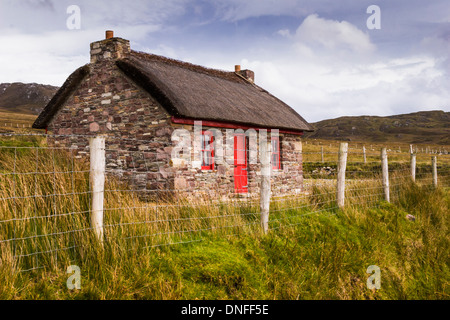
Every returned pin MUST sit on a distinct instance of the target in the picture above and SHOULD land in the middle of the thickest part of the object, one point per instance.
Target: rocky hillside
(27, 98)
(420, 127)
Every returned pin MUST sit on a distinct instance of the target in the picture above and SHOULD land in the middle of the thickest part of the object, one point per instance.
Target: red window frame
(207, 150)
(275, 144)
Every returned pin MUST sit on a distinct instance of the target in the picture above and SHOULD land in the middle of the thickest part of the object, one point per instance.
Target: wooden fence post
(385, 172)
(322, 153)
(364, 154)
(434, 165)
(342, 164)
(264, 152)
(97, 182)
(413, 167)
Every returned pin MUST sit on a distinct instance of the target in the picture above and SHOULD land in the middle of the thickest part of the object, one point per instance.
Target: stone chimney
(110, 48)
(249, 75)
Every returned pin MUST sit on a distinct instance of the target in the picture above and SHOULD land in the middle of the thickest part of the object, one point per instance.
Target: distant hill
(27, 98)
(431, 127)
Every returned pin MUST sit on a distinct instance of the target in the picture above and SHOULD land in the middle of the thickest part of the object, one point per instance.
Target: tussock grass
(313, 251)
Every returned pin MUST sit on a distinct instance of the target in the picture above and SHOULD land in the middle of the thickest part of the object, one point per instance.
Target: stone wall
(138, 130)
(220, 181)
(139, 136)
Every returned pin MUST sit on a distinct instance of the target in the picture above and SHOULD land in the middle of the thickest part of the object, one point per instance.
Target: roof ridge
(228, 75)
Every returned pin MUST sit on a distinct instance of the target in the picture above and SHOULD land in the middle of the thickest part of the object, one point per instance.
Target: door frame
(240, 170)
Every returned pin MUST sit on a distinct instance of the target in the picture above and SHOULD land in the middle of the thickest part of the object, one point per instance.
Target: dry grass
(314, 250)
(16, 122)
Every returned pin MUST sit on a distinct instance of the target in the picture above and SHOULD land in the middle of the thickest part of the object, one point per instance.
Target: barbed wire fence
(58, 199)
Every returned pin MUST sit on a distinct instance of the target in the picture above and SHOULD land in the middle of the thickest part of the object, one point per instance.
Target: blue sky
(317, 56)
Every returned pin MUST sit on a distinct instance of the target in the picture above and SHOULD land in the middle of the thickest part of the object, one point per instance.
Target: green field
(322, 257)
(314, 250)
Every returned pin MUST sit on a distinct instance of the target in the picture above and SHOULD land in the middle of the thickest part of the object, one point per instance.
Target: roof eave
(234, 125)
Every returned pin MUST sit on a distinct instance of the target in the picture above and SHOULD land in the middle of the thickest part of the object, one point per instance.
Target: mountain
(431, 127)
(27, 98)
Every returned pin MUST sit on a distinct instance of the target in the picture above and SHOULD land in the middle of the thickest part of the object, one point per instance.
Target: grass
(398, 152)
(398, 156)
(323, 257)
(16, 122)
(314, 250)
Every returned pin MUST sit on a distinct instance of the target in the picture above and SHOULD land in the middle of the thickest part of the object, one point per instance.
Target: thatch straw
(196, 92)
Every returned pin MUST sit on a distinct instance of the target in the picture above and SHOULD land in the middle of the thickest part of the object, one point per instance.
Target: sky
(324, 58)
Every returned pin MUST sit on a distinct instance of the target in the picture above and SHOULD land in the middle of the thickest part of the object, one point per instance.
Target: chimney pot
(109, 34)
(237, 68)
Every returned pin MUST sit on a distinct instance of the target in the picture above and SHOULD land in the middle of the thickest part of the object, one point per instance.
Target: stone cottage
(139, 100)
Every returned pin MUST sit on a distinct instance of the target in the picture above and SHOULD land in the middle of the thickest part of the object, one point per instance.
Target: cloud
(333, 35)
(437, 44)
(322, 91)
(37, 16)
(317, 57)
(332, 70)
(284, 33)
(236, 10)
(56, 54)
(44, 4)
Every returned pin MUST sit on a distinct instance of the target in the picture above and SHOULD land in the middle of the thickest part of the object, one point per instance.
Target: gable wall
(139, 138)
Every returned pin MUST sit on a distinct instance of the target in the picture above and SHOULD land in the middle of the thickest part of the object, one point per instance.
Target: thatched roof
(194, 92)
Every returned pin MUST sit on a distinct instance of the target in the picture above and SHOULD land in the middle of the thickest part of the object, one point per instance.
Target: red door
(240, 163)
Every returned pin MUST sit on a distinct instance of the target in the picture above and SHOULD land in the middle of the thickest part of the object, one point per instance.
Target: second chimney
(249, 75)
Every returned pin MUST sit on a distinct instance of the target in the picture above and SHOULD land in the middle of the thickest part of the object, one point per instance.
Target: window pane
(275, 153)
(207, 149)
(206, 158)
(240, 152)
(204, 142)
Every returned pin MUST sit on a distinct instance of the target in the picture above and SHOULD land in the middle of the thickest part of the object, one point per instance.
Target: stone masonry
(139, 135)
